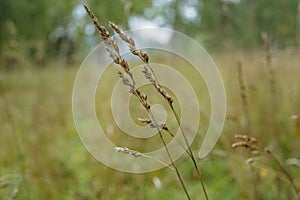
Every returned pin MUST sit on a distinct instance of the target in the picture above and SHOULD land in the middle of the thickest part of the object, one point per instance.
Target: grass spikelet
(137, 154)
(128, 151)
(102, 30)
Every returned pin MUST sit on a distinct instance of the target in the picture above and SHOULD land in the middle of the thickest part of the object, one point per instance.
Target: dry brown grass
(113, 50)
(114, 53)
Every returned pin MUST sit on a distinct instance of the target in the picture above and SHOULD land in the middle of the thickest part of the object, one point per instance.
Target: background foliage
(42, 29)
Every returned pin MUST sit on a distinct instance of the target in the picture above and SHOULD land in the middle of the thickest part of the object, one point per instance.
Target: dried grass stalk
(118, 59)
(150, 75)
(270, 68)
(243, 94)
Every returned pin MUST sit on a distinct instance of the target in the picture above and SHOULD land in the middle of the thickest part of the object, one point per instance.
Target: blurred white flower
(157, 183)
(294, 117)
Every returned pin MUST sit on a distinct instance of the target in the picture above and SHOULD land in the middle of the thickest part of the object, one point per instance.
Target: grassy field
(42, 157)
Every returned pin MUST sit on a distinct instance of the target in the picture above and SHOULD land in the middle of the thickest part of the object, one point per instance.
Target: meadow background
(42, 45)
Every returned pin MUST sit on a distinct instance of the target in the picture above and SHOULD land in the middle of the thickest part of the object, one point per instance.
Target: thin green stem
(285, 172)
(15, 135)
(190, 152)
(169, 155)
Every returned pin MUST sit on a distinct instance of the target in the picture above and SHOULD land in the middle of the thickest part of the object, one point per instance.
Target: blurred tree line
(36, 30)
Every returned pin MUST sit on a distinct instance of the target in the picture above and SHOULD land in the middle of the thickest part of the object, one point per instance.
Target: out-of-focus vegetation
(42, 156)
(41, 46)
(40, 30)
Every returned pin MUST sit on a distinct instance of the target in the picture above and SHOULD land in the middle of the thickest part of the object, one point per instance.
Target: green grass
(42, 155)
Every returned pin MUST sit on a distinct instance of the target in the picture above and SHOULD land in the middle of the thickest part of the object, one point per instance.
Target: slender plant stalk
(190, 153)
(169, 155)
(150, 75)
(252, 144)
(114, 53)
(297, 30)
(15, 135)
(270, 68)
(284, 171)
(243, 94)
(272, 83)
(164, 127)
